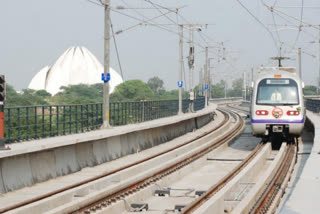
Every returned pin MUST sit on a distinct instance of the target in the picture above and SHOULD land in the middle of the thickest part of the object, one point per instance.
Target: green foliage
(12, 97)
(27, 98)
(310, 90)
(132, 90)
(217, 90)
(77, 94)
(43, 93)
(156, 84)
(236, 90)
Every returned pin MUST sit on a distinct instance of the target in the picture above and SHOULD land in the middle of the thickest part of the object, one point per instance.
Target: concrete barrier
(36, 161)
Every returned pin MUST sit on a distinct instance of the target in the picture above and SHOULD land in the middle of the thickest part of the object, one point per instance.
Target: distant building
(77, 65)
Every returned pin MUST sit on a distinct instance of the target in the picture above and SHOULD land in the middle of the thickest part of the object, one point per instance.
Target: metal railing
(313, 104)
(34, 122)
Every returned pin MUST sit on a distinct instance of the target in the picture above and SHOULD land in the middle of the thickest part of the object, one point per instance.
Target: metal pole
(206, 78)
(191, 69)
(180, 66)
(191, 59)
(319, 64)
(251, 87)
(203, 79)
(299, 61)
(244, 86)
(106, 63)
(200, 82)
(209, 80)
(252, 74)
(2, 139)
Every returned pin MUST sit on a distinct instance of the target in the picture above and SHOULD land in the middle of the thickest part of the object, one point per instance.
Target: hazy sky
(35, 33)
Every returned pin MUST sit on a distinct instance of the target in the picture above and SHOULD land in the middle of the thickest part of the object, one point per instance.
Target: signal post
(2, 102)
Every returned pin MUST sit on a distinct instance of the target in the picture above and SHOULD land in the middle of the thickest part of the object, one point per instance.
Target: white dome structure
(38, 82)
(77, 65)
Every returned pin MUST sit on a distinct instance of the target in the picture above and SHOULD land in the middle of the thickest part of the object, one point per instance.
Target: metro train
(277, 107)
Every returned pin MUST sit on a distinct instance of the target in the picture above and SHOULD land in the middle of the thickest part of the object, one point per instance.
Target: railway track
(265, 193)
(114, 198)
(271, 196)
(236, 108)
(226, 130)
(128, 189)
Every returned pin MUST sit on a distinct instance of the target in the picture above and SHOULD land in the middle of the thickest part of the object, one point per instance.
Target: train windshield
(278, 91)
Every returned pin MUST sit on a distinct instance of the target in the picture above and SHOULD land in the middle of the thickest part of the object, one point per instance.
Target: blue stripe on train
(277, 121)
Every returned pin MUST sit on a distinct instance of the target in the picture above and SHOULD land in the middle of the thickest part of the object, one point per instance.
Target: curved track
(132, 187)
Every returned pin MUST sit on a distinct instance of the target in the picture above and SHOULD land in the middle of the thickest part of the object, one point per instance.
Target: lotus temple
(77, 65)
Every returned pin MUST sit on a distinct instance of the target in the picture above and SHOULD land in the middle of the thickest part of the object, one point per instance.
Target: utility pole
(106, 85)
(319, 63)
(206, 77)
(200, 82)
(251, 88)
(299, 61)
(191, 68)
(244, 86)
(209, 80)
(225, 89)
(252, 75)
(180, 83)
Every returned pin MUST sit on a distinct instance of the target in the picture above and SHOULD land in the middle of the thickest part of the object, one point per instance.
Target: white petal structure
(77, 65)
(38, 82)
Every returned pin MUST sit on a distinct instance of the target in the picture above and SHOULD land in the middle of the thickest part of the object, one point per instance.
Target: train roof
(291, 70)
(277, 72)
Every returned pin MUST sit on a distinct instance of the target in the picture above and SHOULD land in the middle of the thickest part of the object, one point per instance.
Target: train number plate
(277, 128)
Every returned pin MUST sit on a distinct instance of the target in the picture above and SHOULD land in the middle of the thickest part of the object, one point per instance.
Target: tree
(156, 84)
(12, 97)
(78, 94)
(217, 90)
(310, 90)
(43, 93)
(236, 90)
(132, 90)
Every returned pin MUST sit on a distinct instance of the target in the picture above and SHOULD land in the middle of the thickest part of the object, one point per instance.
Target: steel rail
(227, 178)
(267, 198)
(238, 109)
(60, 190)
(112, 198)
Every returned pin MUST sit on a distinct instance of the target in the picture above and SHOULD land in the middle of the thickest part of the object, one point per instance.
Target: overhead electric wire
(145, 17)
(300, 26)
(116, 48)
(274, 22)
(136, 25)
(292, 17)
(294, 25)
(151, 20)
(263, 25)
(157, 7)
(96, 3)
(178, 14)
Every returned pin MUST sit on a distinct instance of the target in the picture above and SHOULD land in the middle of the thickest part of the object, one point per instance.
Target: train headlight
(293, 113)
(262, 112)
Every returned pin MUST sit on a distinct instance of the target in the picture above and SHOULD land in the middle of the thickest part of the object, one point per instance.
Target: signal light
(2, 89)
(293, 113)
(262, 112)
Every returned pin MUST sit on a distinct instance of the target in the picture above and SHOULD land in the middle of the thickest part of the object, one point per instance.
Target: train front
(277, 106)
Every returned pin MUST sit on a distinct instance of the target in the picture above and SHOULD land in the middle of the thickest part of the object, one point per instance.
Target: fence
(34, 122)
(313, 105)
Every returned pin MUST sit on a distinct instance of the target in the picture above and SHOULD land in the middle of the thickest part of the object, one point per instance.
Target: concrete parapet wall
(32, 162)
(314, 123)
